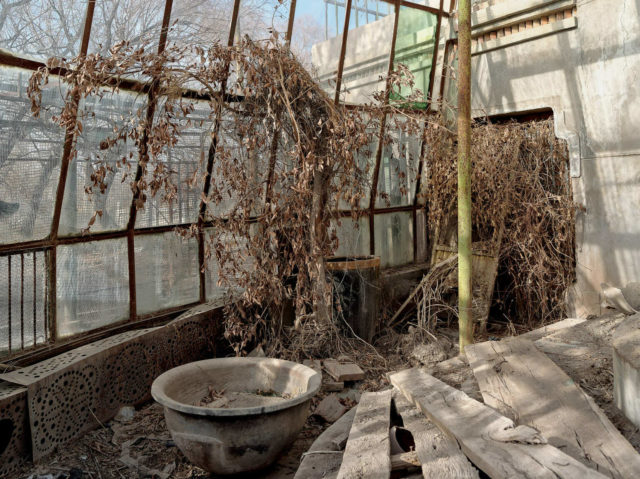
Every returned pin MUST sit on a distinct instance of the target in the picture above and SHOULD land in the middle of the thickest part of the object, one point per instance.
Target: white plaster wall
(590, 77)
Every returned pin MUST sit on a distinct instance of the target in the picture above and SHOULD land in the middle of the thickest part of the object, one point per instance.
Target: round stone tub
(231, 440)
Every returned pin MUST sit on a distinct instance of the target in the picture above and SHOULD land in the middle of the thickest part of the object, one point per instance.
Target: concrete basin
(232, 440)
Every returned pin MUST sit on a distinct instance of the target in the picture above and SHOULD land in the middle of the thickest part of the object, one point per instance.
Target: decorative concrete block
(76, 391)
(15, 443)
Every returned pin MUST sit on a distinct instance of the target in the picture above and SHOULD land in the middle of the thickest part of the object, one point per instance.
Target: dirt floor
(142, 447)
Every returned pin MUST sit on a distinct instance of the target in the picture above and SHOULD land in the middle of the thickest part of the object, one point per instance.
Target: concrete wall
(586, 69)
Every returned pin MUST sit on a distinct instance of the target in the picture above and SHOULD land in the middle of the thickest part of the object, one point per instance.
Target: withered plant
(520, 182)
(283, 159)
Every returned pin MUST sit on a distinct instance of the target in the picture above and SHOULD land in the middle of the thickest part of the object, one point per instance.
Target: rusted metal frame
(9, 299)
(405, 3)
(292, 16)
(209, 173)
(70, 136)
(143, 152)
(383, 123)
(69, 140)
(21, 300)
(343, 52)
(7, 59)
(443, 75)
(434, 60)
(52, 325)
(35, 288)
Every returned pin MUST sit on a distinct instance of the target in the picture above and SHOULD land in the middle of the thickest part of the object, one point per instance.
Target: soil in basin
(241, 399)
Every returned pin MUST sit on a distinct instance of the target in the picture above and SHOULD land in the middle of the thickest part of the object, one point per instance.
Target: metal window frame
(50, 243)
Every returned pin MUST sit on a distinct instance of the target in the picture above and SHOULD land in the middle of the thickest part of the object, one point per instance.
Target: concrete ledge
(509, 13)
(526, 36)
(626, 368)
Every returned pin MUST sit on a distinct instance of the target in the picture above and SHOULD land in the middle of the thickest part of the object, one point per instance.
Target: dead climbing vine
(283, 159)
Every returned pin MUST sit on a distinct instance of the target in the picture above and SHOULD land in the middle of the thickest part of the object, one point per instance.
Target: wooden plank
(491, 441)
(439, 454)
(552, 328)
(343, 371)
(367, 454)
(324, 457)
(516, 377)
(330, 409)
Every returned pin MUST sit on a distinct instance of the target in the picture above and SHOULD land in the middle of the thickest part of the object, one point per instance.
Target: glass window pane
(200, 22)
(309, 29)
(42, 28)
(366, 61)
(262, 19)
(234, 160)
(394, 238)
(92, 285)
(134, 21)
(166, 271)
(353, 236)
(100, 116)
(414, 49)
(30, 156)
(398, 167)
(187, 162)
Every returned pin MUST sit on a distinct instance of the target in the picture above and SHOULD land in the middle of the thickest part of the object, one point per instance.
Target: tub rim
(160, 383)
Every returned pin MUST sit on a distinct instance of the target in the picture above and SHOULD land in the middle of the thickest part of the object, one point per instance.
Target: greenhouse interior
(319, 239)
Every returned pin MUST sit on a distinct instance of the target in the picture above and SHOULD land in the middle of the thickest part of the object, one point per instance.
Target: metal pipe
(465, 272)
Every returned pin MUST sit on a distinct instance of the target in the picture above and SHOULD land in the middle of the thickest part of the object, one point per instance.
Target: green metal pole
(465, 320)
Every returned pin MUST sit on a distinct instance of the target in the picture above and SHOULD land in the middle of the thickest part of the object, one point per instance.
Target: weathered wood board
(439, 454)
(343, 371)
(367, 454)
(324, 457)
(490, 440)
(521, 381)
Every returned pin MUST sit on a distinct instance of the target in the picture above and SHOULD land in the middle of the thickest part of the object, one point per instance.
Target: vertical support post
(9, 298)
(21, 300)
(212, 152)
(465, 274)
(292, 16)
(343, 48)
(35, 337)
(383, 124)
(143, 154)
(69, 140)
(434, 61)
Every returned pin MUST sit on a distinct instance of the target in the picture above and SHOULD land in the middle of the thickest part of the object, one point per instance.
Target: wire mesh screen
(30, 155)
(82, 197)
(92, 285)
(186, 161)
(166, 271)
(136, 22)
(42, 28)
(398, 169)
(353, 236)
(23, 290)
